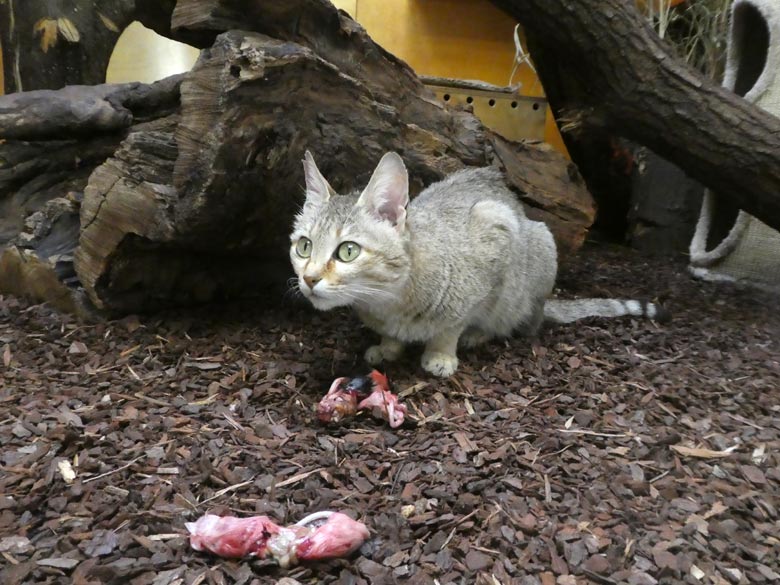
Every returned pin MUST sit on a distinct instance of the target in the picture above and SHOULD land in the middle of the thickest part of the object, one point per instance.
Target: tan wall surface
(143, 55)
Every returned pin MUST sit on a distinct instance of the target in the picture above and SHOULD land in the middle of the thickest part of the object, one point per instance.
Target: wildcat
(459, 265)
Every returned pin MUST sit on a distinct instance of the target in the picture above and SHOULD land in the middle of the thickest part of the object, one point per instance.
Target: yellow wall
(465, 39)
(141, 54)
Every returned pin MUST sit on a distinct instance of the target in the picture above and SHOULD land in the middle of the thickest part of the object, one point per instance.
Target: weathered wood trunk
(197, 203)
(606, 71)
(226, 195)
(48, 45)
(42, 179)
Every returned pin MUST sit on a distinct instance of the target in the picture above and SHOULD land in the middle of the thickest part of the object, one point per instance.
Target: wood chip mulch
(617, 451)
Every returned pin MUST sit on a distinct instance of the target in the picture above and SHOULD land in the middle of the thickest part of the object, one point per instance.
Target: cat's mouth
(324, 303)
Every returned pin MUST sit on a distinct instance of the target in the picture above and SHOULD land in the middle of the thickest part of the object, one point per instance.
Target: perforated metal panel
(504, 110)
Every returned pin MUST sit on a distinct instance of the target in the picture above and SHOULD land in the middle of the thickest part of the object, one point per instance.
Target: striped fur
(568, 311)
(459, 265)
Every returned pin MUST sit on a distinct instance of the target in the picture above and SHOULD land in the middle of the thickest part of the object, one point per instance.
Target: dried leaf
(77, 347)
(717, 508)
(68, 30)
(58, 563)
(16, 545)
(702, 453)
(47, 28)
(204, 365)
(101, 544)
(759, 454)
(108, 23)
(754, 474)
(7, 355)
(66, 471)
(465, 443)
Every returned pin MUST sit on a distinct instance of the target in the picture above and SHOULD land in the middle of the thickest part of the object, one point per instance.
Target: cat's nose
(311, 280)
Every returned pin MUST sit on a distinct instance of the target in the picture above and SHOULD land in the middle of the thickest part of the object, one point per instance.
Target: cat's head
(350, 249)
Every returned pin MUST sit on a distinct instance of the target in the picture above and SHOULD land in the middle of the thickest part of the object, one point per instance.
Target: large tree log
(604, 69)
(48, 45)
(341, 41)
(53, 140)
(42, 181)
(218, 210)
(338, 39)
(199, 204)
(85, 109)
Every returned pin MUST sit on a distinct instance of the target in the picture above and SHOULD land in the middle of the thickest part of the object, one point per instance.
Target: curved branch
(602, 65)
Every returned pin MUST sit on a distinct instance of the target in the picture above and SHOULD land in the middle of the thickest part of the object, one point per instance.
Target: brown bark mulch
(617, 451)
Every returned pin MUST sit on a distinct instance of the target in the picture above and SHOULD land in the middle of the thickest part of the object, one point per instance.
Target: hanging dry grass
(696, 29)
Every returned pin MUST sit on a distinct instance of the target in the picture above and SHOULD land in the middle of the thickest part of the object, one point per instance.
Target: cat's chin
(326, 304)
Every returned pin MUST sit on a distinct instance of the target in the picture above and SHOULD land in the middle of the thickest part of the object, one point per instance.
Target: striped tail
(567, 311)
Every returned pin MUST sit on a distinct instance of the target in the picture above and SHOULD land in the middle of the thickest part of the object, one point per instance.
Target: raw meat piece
(231, 537)
(339, 403)
(337, 537)
(309, 539)
(347, 396)
(384, 404)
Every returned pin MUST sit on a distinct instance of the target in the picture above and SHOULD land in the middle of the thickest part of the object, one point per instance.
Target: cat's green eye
(303, 248)
(348, 251)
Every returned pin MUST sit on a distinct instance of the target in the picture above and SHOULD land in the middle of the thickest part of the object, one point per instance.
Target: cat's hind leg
(530, 325)
(388, 350)
(472, 337)
(440, 357)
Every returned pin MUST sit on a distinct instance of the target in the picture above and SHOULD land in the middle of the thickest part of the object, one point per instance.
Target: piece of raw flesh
(348, 396)
(384, 404)
(339, 403)
(323, 535)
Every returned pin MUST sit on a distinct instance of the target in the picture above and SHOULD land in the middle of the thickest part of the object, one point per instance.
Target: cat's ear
(387, 193)
(318, 190)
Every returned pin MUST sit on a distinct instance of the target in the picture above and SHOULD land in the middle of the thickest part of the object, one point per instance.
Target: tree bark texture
(197, 204)
(606, 71)
(53, 43)
(42, 180)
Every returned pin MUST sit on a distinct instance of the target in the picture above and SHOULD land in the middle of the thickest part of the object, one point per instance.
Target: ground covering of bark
(603, 452)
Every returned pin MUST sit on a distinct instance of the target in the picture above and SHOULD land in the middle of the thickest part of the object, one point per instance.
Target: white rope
(311, 518)
(521, 57)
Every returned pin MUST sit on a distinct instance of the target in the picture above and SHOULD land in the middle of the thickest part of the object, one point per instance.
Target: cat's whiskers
(293, 288)
(371, 296)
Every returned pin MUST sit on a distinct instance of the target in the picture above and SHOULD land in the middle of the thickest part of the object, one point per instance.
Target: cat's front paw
(439, 364)
(376, 354)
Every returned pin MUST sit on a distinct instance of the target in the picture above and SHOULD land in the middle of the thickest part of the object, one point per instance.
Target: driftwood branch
(84, 109)
(605, 70)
